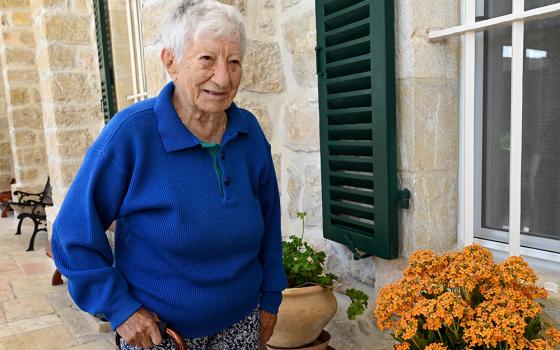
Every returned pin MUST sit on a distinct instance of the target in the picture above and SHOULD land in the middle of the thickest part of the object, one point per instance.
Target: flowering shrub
(465, 301)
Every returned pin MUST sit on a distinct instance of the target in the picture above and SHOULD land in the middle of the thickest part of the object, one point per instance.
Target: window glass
(492, 8)
(496, 107)
(531, 4)
(540, 181)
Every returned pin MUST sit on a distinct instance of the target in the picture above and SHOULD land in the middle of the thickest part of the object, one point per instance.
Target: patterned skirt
(244, 335)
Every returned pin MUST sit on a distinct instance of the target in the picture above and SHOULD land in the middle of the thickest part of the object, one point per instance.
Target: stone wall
(23, 101)
(69, 87)
(120, 52)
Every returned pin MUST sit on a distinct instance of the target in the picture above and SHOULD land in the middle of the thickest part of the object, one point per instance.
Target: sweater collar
(175, 135)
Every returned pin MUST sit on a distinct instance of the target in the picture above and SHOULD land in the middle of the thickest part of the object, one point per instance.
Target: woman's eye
(206, 58)
(236, 62)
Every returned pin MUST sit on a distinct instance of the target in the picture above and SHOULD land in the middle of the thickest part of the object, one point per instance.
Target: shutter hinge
(404, 198)
(355, 252)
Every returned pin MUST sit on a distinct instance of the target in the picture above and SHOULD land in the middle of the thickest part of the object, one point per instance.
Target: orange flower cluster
(464, 300)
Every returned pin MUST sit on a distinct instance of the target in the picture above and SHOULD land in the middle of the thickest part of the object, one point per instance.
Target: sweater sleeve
(274, 275)
(80, 247)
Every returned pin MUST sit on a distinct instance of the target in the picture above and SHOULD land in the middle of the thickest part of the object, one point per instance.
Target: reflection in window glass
(540, 181)
(492, 8)
(531, 4)
(496, 128)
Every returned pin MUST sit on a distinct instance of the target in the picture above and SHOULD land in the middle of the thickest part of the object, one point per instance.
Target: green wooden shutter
(103, 35)
(356, 74)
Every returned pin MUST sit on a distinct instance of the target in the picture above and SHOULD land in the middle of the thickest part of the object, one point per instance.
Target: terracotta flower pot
(303, 314)
(321, 343)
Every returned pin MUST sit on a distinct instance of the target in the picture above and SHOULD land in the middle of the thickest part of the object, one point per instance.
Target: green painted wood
(356, 73)
(106, 73)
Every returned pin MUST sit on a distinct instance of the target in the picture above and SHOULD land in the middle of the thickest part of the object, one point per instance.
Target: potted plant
(463, 300)
(308, 304)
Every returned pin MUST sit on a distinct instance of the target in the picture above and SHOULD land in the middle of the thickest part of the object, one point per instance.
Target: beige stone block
(82, 6)
(23, 308)
(266, 21)
(2, 319)
(119, 26)
(28, 118)
(260, 111)
(300, 38)
(62, 174)
(87, 60)
(63, 116)
(54, 3)
(14, 3)
(28, 325)
(21, 96)
(21, 18)
(311, 195)
(31, 286)
(295, 184)
(57, 28)
(262, 68)
(301, 125)
(28, 175)
(71, 87)
(428, 124)
(60, 56)
(18, 37)
(431, 221)
(95, 345)
(156, 76)
(17, 56)
(25, 138)
(80, 323)
(50, 338)
(417, 57)
(277, 160)
(5, 292)
(23, 75)
(289, 3)
(153, 18)
(31, 157)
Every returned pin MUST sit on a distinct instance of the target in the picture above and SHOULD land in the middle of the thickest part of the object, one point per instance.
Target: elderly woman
(188, 177)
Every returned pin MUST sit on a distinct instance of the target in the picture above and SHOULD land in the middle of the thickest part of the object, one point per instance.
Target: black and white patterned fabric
(244, 335)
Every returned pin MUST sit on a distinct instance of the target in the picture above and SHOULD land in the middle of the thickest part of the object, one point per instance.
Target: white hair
(190, 19)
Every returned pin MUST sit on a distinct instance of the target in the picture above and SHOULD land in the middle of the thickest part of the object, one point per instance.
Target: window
(510, 158)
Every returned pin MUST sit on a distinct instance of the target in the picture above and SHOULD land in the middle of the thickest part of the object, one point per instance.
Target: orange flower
(402, 346)
(436, 346)
(552, 335)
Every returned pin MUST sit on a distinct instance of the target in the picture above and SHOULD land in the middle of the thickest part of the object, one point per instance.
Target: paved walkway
(33, 314)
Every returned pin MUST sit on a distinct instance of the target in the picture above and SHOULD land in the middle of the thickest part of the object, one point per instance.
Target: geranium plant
(304, 267)
(463, 300)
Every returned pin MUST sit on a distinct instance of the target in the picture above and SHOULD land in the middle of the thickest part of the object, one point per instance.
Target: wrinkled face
(208, 75)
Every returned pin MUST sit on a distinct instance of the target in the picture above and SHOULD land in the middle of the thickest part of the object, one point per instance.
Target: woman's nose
(221, 75)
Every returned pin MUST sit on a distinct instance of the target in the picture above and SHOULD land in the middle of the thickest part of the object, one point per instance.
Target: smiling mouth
(215, 93)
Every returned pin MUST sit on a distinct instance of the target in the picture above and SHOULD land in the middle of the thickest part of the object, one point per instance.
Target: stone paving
(33, 314)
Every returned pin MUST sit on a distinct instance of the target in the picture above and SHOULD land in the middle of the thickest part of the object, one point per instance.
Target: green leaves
(359, 303)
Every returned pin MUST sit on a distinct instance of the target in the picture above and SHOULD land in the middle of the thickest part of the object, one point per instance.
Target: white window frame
(136, 47)
(468, 207)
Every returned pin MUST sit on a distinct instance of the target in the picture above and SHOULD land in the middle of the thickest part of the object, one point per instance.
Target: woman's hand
(268, 321)
(141, 329)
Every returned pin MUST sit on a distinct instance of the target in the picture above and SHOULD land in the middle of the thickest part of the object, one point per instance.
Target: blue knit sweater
(199, 259)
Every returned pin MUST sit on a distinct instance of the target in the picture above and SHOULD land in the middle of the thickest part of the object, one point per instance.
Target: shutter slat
(347, 208)
(351, 147)
(338, 178)
(350, 132)
(351, 163)
(345, 12)
(353, 194)
(368, 227)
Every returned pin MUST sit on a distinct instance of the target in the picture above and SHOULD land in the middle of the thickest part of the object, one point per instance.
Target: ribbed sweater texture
(200, 259)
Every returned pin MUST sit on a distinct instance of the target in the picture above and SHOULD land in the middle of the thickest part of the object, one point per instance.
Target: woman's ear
(168, 60)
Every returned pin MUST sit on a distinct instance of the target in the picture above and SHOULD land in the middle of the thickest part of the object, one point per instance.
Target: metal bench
(32, 206)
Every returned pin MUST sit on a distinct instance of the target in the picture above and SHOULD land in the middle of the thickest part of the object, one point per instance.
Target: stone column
(427, 124)
(6, 168)
(69, 86)
(23, 101)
